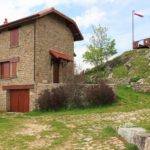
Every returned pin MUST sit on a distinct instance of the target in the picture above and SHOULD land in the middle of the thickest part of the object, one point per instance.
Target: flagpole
(133, 28)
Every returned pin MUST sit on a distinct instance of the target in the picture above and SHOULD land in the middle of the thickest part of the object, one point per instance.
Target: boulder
(128, 65)
(136, 136)
(141, 81)
(110, 76)
(129, 133)
(147, 144)
(142, 140)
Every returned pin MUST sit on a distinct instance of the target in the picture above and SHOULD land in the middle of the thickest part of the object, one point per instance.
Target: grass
(145, 124)
(131, 147)
(78, 128)
(108, 132)
(120, 71)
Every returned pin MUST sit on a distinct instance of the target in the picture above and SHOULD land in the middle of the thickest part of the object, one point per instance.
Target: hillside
(130, 66)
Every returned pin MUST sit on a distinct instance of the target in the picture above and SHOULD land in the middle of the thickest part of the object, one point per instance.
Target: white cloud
(126, 2)
(20, 8)
(91, 16)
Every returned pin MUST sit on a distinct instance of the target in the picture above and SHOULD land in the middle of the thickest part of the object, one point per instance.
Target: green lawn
(91, 128)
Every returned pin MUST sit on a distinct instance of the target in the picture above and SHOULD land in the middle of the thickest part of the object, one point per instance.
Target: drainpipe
(34, 48)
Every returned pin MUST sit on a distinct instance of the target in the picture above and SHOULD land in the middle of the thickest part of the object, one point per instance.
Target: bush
(52, 100)
(76, 95)
(100, 94)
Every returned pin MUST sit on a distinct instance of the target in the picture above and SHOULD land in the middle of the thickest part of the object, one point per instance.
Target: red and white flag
(140, 15)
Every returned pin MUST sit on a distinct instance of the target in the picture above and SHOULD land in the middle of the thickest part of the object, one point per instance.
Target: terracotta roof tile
(59, 55)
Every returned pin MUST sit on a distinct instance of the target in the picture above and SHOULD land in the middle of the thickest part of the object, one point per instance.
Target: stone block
(136, 136)
(140, 139)
(147, 144)
(129, 133)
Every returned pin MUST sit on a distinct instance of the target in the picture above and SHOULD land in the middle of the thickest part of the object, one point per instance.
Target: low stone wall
(140, 87)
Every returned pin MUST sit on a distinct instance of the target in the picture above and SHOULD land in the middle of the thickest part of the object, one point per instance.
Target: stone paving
(85, 132)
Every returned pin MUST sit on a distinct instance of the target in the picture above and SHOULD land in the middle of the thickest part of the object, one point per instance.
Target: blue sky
(113, 14)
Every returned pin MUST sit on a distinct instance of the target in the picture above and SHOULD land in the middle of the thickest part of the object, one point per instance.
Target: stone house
(36, 52)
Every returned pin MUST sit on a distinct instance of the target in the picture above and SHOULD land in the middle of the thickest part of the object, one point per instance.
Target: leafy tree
(101, 47)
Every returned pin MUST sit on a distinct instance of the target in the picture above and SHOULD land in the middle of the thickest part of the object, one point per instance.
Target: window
(5, 70)
(14, 38)
(8, 69)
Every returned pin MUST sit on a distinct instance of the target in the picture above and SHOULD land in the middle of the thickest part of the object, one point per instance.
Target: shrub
(100, 94)
(75, 95)
(52, 100)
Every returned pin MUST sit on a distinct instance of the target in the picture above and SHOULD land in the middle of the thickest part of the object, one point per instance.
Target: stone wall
(141, 87)
(3, 102)
(52, 34)
(25, 66)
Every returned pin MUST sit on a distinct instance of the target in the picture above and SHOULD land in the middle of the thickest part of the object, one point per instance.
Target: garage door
(19, 100)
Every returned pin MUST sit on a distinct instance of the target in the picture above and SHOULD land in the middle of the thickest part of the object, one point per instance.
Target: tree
(101, 47)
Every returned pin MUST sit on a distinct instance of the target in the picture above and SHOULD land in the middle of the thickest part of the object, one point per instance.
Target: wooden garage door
(19, 100)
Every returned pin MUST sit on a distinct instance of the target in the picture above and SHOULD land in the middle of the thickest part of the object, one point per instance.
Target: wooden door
(56, 72)
(19, 100)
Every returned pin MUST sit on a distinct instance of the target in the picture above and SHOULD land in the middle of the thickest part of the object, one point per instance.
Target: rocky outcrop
(141, 86)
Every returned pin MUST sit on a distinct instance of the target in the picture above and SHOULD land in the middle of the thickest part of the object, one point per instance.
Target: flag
(137, 14)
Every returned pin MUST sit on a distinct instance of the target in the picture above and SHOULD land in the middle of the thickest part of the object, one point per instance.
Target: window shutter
(14, 69)
(5, 70)
(14, 37)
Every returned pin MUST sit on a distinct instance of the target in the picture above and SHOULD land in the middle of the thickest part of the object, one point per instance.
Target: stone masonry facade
(25, 65)
(52, 33)
(34, 67)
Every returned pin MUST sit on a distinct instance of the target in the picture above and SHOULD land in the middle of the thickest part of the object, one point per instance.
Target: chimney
(5, 21)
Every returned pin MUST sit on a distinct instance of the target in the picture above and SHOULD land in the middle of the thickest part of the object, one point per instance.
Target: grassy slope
(139, 66)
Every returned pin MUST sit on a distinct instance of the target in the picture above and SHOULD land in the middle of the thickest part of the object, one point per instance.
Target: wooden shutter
(14, 37)
(14, 69)
(5, 70)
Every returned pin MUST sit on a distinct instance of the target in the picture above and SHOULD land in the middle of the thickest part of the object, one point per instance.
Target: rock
(110, 76)
(142, 140)
(108, 69)
(147, 144)
(141, 81)
(128, 133)
(148, 56)
(136, 136)
(128, 65)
